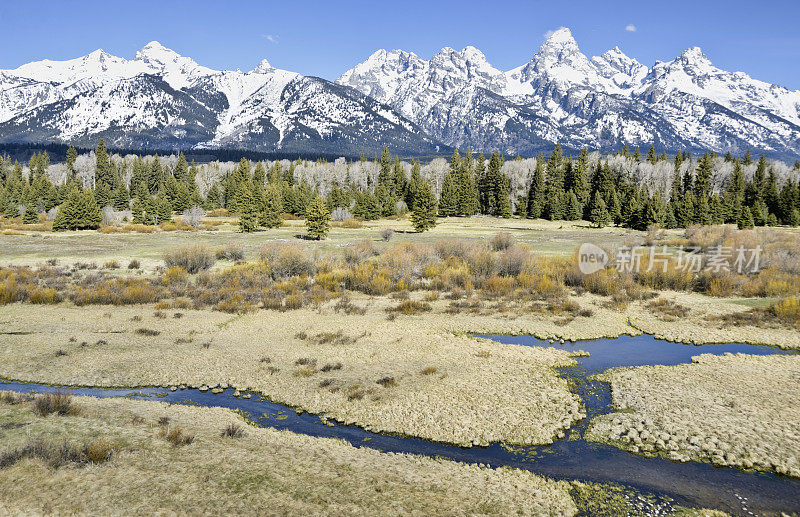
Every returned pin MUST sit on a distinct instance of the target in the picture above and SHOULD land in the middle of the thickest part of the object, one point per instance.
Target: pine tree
(630, 212)
(574, 207)
(654, 212)
(504, 198)
(78, 212)
(448, 199)
(745, 219)
(137, 211)
(468, 202)
(181, 172)
(424, 215)
(30, 216)
(366, 206)
(759, 212)
(102, 176)
(387, 204)
(72, 156)
(651, 155)
(385, 176)
(213, 198)
(163, 208)
(318, 219)
(248, 211)
(576, 180)
(536, 191)
(411, 187)
(598, 215)
(270, 216)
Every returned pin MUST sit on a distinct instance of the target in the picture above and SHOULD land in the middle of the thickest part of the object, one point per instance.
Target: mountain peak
(472, 54)
(263, 67)
(693, 55)
(560, 36)
(155, 52)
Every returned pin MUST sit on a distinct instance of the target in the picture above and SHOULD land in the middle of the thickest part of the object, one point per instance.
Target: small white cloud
(630, 27)
(272, 38)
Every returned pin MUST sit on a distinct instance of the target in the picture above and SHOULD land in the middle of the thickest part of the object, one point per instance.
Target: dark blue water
(690, 484)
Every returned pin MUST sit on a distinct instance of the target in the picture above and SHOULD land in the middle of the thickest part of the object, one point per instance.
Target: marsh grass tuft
(58, 402)
(233, 431)
(176, 436)
(59, 455)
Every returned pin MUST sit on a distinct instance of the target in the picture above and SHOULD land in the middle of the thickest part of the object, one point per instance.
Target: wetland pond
(655, 485)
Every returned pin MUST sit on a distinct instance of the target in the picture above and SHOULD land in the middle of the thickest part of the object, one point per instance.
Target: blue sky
(326, 38)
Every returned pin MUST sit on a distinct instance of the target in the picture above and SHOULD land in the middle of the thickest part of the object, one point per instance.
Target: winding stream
(689, 484)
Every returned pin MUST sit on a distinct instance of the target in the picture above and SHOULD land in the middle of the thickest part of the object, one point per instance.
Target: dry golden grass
(707, 321)
(263, 471)
(733, 410)
(512, 395)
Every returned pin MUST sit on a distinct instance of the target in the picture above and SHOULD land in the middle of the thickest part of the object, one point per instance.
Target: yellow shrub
(174, 275)
(9, 292)
(499, 285)
(787, 309)
(44, 296)
(720, 287)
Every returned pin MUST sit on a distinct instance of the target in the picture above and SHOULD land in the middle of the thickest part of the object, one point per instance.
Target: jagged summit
(561, 36)
(263, 67)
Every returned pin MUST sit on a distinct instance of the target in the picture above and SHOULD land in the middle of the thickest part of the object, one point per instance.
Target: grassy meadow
(373, 327)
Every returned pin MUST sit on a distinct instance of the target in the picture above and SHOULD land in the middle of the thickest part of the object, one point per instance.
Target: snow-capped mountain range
(603, 102)
(162, 100)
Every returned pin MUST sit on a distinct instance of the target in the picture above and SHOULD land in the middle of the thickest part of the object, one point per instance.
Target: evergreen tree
(536, 192)
(504, 198)
(162, 208)
(574, 207)
(213, 198)
(759, 212)
(448, 199)
(181, 172)
(137, 211)
(576, 180)
(654, 212)
(78, 212)
(468, 202)
(119, 198)
(411, 187)
(745, 218)
(598, 215)
(248, 210)
(366, 206)
(318, 219)
(521, 207)
(270, 216)
(399, 183)
(72, 156)
(30, 216)
(103, 174)
(630, 212)
(424, 215)
(385, 176)
(387, 204)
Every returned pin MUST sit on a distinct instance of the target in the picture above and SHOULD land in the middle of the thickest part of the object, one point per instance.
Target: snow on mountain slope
(693, 73)
(161, 98)
(141, 111)
(606, 101)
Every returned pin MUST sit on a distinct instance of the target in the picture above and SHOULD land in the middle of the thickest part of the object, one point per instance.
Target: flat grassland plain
(390, 351)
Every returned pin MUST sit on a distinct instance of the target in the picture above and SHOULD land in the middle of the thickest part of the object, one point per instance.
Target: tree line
(151, 190)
